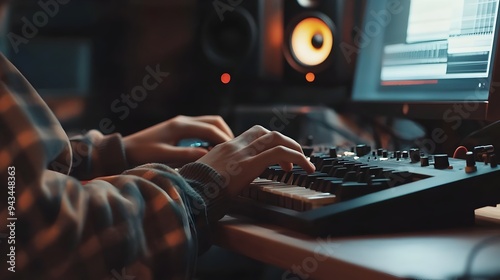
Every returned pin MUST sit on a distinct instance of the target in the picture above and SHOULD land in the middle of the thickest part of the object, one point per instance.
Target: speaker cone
(227, 42)
(310, 42)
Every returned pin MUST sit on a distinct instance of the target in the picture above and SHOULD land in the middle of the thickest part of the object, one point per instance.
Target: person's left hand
(158, 143)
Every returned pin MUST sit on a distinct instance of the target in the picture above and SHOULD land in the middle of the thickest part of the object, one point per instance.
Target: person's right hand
(245, 157)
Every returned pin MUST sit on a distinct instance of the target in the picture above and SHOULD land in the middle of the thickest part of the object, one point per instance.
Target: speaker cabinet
(273, 51)
(238, 46)
(314, 33)
(229, 38)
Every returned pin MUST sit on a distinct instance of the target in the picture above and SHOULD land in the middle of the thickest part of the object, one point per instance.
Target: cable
(460, 152)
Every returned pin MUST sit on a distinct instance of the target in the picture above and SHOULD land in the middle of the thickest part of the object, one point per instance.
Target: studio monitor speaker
(238, 45)
(257, 51)
(315, 30)
(229, 36)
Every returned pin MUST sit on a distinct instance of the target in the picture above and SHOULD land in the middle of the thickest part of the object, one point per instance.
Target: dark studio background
(92, 52)
(120, 39)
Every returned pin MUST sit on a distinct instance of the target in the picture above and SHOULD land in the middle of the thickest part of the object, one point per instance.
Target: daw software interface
(427, 51)
(453, 40)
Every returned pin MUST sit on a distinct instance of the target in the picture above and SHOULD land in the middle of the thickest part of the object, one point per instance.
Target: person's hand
(245, 157)
(158, 143)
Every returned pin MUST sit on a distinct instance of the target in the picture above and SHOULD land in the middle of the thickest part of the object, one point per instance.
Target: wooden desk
(427, 255)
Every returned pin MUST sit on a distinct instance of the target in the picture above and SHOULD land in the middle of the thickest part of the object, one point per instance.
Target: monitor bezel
(474, 109)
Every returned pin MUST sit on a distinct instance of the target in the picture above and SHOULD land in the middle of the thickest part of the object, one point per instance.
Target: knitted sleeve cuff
(97, 155)
(112, 154)
(210, 185)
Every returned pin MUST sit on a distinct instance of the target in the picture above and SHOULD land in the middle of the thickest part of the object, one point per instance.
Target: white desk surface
(420, 255)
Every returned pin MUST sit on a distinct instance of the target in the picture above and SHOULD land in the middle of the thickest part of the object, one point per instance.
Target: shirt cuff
(210, 185)
(112, 154)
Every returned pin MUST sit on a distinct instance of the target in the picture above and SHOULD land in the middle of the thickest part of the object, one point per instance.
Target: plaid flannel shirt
(144, 223)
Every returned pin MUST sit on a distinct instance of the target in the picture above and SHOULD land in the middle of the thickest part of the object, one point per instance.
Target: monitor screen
(56, 67)
(428, 58)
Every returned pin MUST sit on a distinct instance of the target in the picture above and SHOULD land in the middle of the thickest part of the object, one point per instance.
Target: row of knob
(481, 153)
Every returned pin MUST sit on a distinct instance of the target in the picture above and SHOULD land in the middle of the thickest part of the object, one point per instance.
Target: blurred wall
(127, 41)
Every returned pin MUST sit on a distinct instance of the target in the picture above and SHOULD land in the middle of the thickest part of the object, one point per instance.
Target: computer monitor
(56, 67)
(434, 59)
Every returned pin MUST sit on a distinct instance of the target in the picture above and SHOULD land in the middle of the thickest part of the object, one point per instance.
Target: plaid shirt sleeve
(136, 225)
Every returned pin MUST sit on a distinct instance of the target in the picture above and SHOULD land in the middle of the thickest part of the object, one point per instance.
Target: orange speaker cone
(311, 42)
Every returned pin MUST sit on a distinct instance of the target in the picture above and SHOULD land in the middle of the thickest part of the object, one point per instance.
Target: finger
(218, 121)
(251, 134)
(282, 154)
(286, 166)
(205, 131)
(273, 139)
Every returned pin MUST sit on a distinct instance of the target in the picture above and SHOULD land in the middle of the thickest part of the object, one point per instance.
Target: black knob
(385, 154)
(414, 155)
(333, 152)
(398, 154)
(441, 161)
(424, 161)
(379, 152)
(362, 150)
(470, 161)
(479, 151)
(404, 154)
(493, 160)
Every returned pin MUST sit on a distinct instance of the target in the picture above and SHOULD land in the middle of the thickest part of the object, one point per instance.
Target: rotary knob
(470, 162)
(333, 152)
(493, 161)
(424, 161)
(362, 150)
(414, 155)
(441, 161)
(398, 154)
(404, 154)
(385, 154)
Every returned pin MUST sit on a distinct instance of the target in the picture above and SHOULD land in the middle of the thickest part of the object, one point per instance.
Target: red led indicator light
(310, 77)
(225, 78)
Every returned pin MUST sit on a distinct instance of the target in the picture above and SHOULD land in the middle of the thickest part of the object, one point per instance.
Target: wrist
(210, 185)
